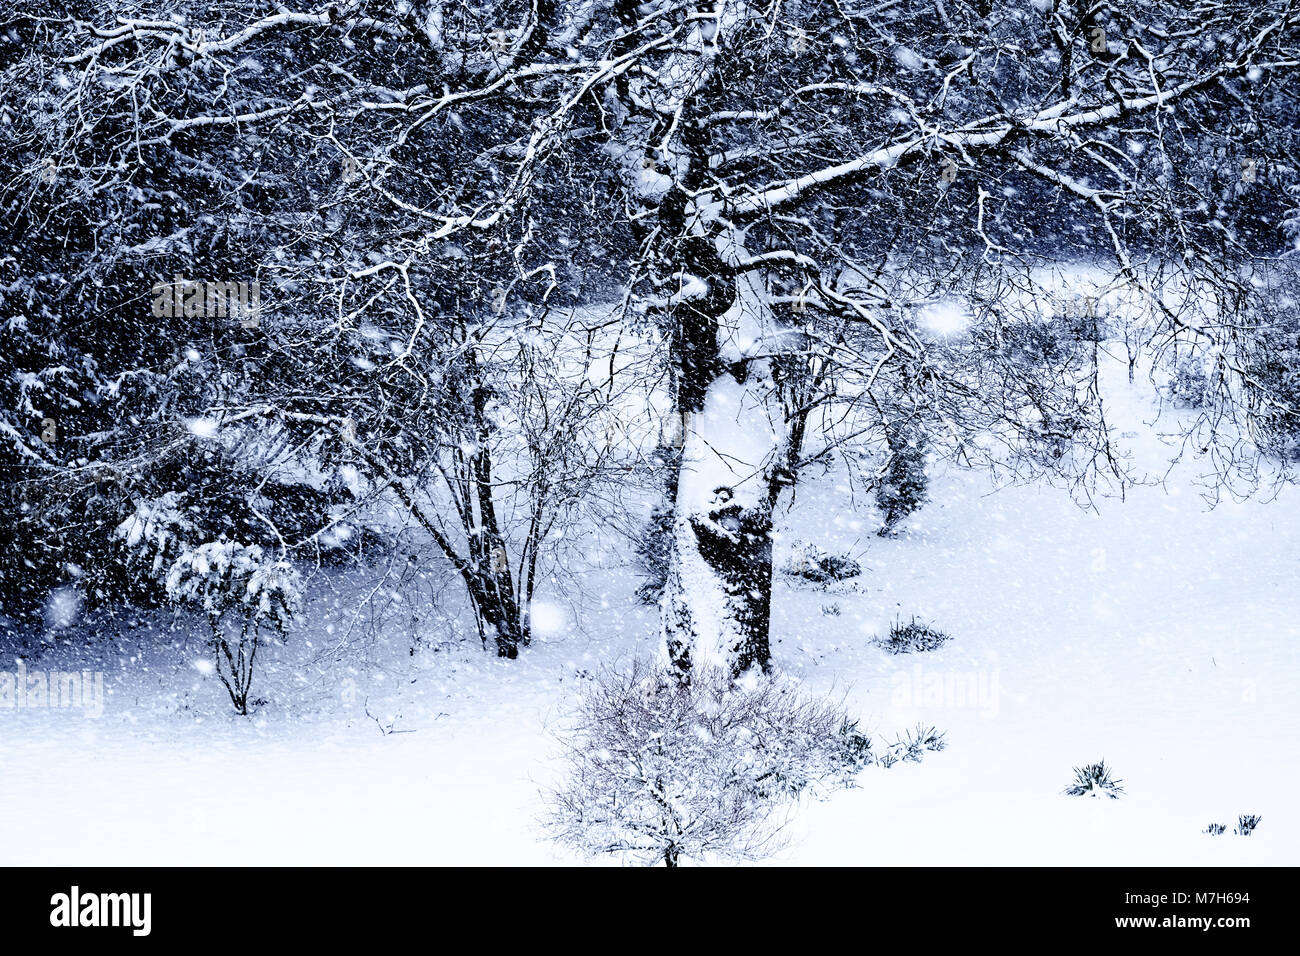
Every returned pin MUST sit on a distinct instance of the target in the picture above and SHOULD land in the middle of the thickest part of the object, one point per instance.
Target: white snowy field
(1158, 634)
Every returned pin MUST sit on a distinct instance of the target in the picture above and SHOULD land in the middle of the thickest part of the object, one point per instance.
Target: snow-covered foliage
(225, 580)
(911, 746)
(527, 273)
(808, 560)
(1190, 385)
(219, 577)
(157, 532)
(662, 771)
(912, 636)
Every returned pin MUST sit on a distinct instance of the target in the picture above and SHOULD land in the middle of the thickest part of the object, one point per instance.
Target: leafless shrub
(660, 770)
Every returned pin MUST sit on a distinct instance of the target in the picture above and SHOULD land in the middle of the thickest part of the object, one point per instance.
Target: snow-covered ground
(1157, 633)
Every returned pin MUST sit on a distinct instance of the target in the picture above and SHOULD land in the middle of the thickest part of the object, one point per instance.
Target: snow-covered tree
(774, 189)
(234, 584)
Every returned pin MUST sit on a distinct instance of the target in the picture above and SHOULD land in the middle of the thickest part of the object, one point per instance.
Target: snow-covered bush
(809, 561)
(1257, 386)
(1086, 319)
(235, 583)
(1056, 433)
(1094, 780)
(1190, 386)
(1277, 375)
(903, 487)
(915, 635)
(1033, 342)
(660, 770)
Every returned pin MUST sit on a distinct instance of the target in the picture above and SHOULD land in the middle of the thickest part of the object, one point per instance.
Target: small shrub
(915, 635)
(1215, 829)
(660, 769)
(1190, 386)
(1039, 343)
(236, 583)
(810, 562)
(856, 746)
(831, 610)
(1246, 824)
(1277, 374)
(1086, 319)
(1094, 780)
(1055, 434)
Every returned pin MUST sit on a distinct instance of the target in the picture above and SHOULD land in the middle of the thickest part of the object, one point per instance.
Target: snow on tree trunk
(717, 602)
(719, 591)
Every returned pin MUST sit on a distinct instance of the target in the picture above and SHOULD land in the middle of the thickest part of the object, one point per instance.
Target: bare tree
(774, 186)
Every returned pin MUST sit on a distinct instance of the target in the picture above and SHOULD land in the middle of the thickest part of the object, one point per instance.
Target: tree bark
(497, 611)
(734, 463)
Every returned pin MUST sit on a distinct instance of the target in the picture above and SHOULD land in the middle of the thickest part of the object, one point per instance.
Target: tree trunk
(717, 601)
(717, 598)
(496, 607)
(501, 623)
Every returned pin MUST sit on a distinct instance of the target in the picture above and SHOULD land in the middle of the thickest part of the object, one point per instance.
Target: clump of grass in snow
(915, 635)
(912, 746)
(812, 563)
(1246, 824)
(1215, 829)
(1094, 780)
